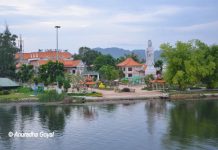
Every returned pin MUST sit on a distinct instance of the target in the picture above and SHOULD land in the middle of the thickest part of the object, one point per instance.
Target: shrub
(95, 94)
(124, 81)
(101, 86)
(125, 90)
(60, 81)
(24, 90)
(51, 96)
(66, 85)
(92, 94)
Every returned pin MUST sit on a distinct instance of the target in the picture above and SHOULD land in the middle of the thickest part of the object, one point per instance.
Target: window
(124, 69)
(74, 71)
(129, 69)
(129, 75)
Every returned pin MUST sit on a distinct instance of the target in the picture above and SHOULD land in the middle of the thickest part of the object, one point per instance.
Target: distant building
(40, 58)
(132, 68)
(150, 59)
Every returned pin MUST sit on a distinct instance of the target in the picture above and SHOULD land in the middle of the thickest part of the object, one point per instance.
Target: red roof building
(40, 58)
(132, 68)
(129, 62)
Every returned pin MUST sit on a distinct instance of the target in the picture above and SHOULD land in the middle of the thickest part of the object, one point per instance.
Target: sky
(127, 24)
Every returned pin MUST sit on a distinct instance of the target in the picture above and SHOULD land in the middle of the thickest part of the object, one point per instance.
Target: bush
(125, 90)
(124, 81)
(66, 85)
(94, 94)
(51, 96)
(24, 90)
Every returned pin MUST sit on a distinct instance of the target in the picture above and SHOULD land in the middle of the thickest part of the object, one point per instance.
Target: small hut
(6, 84)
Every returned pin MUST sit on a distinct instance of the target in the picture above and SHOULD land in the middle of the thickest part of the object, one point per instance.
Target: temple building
(132, 68)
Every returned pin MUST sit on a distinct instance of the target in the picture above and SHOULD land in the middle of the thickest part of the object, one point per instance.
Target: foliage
(49, 96)
(92, 94)
(108, 73)
(101, 86)
(189, 63)
(60, 81)
(125, 80)
(66, 84)
(211, 80)
(24, 90)
(103, 60)
(159, 66)
(88, 56)
(148, 78)
(8, 50)
(50, 71)
(25, 73)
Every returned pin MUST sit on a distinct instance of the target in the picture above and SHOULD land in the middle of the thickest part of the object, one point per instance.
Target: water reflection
(154, 111)
(88, 112)
(54, 117)
(7, 122)
(185, 125)
(191, 122)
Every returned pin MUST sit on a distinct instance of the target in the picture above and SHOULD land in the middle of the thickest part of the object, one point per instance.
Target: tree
(8, 50)
(66, 85)
(103, 60)
(147, 79)
(190, 63)
(211, 80)
(89, 57)
(159, 66)
(108, 73)
(83, 50)
(50, 71)
(25, 73)
(201, 64)
(176, 58)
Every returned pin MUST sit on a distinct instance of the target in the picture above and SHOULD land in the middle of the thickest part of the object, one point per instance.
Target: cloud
(197, 27)
(39, 9)
(150, 15)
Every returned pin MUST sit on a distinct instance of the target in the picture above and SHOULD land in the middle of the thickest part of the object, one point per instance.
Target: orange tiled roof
(71, 63)
(129, 62)
(42, 55)
(67, 63)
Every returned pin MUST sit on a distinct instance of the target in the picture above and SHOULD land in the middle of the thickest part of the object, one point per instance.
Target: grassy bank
(19, 94)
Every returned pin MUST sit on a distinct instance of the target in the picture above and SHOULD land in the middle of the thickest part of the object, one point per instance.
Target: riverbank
(112, 96)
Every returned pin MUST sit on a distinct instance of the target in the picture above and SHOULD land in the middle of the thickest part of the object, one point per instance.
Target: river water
(150, 125)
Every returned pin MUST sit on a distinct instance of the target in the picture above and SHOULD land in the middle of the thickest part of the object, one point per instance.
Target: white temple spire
(150, 59)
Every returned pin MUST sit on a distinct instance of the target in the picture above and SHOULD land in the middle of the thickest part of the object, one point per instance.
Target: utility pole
(57, 27)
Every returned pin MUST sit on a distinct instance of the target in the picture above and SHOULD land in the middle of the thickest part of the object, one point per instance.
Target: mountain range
(118, 52)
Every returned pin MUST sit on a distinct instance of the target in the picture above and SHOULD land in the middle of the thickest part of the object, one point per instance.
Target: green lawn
(15, 96)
